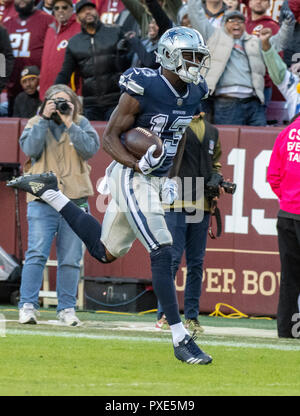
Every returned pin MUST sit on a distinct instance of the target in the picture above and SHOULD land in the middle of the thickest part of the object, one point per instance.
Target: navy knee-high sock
(163, 283)
(86, 227)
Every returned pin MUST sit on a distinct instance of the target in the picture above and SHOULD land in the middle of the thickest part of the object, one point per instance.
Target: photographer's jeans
(191, 238)
(44, 223)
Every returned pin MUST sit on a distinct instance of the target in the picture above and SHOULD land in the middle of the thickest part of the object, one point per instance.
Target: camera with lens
(62, 106)
(212, 186)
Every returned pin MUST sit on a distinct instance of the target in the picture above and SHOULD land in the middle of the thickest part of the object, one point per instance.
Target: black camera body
(212, 186)
(229, 187)
(62, 106)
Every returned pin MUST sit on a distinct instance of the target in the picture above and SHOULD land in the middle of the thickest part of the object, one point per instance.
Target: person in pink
(56, 42)
(283, 176)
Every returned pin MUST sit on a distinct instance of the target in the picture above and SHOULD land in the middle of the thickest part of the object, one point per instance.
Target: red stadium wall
(241, 267)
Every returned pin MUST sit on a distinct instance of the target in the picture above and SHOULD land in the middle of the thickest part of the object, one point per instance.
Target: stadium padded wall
(241, 267)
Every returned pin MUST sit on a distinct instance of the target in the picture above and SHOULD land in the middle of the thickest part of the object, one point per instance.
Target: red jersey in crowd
(273, 11)
(295, 7)
(7, 9)
(27, 41)
(56, 42)
(109, 10)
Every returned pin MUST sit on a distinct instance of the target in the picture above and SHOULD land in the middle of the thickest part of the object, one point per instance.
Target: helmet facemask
(194, 70)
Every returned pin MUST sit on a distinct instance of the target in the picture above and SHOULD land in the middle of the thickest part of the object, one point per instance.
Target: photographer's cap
(82, 3)
(29, 72)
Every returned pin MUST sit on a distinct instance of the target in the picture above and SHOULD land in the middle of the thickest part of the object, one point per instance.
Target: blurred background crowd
(254, 46)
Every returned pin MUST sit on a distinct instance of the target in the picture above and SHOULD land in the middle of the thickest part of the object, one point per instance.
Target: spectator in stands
(188, 218)
(214, 11)
(183, 16)
(56, 42)
(93, 52)
(143, 14)
(109, 11)
(292, 50)
(27, 102)
(46, 6)
(232, 4)
(27, 33)
(286, 81)
(144, 50)
(259, 18)
(7, 61)
(46, 139)
(6, 67)
(236, 77)
(254, 23)
(7, 9)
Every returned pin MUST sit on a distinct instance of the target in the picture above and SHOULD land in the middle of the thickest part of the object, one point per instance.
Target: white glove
(148, 162)
(169, 192)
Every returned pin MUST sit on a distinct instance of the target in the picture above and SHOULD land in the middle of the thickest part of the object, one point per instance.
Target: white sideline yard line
(232, 344)
(149, 327)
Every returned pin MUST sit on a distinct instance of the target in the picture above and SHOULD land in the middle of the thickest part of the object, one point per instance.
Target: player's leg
(176, 225)
(137, 198)
(140, 201)
(83, 224)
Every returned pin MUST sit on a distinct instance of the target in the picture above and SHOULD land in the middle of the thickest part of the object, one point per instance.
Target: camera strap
(215, 212)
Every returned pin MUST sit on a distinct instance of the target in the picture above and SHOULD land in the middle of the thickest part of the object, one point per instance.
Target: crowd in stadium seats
(88, 44)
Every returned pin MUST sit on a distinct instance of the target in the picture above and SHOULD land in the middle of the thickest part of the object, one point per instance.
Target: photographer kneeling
(61, 140)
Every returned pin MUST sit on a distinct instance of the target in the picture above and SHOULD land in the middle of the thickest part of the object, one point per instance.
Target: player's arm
(120, 121)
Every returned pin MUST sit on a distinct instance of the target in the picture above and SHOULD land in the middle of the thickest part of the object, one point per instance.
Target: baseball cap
(230, 14)
(69, 2)
(30, 71)
(82, 3)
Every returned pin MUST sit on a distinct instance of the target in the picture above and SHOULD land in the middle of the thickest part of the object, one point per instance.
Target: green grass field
(120, 355)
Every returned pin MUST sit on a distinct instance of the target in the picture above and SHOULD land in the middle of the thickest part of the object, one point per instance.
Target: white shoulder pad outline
(130, 84)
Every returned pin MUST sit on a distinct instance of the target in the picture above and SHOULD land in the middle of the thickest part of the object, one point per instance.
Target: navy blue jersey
(162, 109)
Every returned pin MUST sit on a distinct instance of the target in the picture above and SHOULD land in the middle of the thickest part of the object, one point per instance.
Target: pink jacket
(284, 169)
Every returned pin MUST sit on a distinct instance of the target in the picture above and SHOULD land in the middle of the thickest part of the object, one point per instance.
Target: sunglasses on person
(239, 21)
(56, 8)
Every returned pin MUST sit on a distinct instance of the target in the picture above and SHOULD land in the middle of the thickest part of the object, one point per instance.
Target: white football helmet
(171, 47)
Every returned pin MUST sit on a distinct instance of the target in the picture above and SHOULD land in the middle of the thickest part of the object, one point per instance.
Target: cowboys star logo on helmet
(183, 51)
(173, 34)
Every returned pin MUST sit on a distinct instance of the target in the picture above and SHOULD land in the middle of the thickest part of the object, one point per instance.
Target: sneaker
(35, 184)
(193, 325)
(68, 317)
(27, 314)
(162, 323)
(188, 351)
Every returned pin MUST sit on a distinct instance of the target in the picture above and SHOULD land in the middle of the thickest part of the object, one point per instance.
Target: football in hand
(138, 140)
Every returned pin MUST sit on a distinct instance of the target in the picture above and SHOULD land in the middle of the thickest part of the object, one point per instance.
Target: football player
(163, 101)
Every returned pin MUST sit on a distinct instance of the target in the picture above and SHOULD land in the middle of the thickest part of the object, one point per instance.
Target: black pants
(289, 249)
